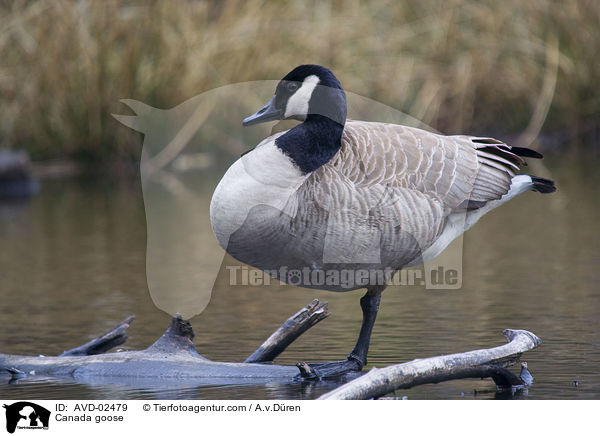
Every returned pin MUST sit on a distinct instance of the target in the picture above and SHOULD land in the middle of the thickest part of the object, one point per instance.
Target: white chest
(265, 176)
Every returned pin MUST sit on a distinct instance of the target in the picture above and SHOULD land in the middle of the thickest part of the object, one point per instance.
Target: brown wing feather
(404, 182)
(460, 171)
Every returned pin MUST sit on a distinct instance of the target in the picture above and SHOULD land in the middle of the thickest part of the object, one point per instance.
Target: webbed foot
(328, 370)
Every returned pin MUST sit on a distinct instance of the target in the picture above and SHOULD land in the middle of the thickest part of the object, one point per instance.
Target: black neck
(312, 143)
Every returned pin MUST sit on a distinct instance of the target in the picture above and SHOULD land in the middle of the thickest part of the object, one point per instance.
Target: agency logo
(26, 415)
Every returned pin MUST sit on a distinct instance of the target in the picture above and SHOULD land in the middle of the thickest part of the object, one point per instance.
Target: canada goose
(333, 195)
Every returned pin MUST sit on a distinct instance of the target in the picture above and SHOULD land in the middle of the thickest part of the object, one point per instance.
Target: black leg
(358, 356)
(370, 306)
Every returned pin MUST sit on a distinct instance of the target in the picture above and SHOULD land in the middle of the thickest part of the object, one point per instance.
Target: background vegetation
(509, 68)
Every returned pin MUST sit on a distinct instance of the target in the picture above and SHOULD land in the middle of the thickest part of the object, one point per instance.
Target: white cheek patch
(297, 104)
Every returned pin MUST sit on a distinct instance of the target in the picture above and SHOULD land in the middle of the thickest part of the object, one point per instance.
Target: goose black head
(307, 92)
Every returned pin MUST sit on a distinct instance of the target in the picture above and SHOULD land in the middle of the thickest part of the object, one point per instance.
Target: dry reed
(460, 66)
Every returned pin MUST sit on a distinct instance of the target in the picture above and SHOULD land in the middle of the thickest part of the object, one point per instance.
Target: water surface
(72, 265)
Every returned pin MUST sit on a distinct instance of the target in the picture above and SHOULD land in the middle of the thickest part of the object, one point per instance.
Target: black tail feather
(513, 154)
(526, 152)
(545, 186)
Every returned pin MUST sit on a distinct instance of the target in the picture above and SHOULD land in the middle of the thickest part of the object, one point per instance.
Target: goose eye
(292, 86)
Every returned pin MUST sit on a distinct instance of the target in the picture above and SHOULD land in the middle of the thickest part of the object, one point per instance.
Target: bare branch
(289, 331)
(478, 363)
(104, 342)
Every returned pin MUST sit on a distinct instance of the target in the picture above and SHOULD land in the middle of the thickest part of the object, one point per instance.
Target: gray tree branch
(479, 363)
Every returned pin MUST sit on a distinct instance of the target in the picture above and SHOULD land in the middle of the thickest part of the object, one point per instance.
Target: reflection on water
(72, 264)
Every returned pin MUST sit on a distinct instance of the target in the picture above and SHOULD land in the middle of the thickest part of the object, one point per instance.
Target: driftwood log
(489, 362)
(174, 357)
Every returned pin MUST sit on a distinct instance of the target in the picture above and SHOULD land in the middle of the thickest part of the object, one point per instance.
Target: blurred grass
(470, 66)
